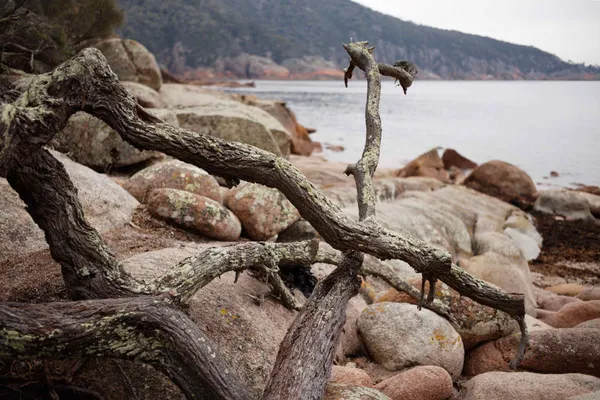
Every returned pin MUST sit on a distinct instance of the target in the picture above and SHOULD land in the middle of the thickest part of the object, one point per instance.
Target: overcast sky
(568, 28)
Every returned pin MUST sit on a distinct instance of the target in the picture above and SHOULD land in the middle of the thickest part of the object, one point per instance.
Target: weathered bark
(87, 83)
(394, 281)
(146, 329)
(304, 361)
(311, 340)
(89, 268)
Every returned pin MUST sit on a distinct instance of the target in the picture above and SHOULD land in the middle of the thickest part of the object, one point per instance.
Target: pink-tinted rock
(145, 95)
(419, 383)
(263, 211)
(350, 376)
(555, 303)
(572, 314)
(591, 324)
(350, 343)
(534, 324)
(453, 158)
(339, 391)
(550, 351)
(504, 272)
(501, 180)
(194, 212)
(590, 293)
(173, 174)
(427, 164)
(131, 61)
(528, 386)
(398, 336)
(476, 323)
(567, 289)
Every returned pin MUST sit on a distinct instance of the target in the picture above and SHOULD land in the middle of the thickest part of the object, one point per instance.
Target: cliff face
(299, 38)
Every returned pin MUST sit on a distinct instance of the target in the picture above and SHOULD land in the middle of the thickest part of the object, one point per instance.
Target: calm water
(538, 126)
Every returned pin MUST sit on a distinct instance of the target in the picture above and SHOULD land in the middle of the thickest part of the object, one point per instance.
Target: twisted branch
(146, 329)
(90, 269)
(86, 83)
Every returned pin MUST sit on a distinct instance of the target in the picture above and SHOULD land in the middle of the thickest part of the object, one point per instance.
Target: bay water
(539, 126)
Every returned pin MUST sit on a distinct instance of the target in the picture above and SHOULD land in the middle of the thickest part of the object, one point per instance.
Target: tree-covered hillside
(195, 33)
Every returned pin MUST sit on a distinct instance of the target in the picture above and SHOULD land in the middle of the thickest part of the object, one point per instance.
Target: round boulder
(198, 213)
(453, 158)
(591, 324)
(173, 174)
(573, 314)
(91, 142)
(427, 164)
(506, 273)
(145, 95)
(350, 376)
(501, 180)
(339, 391)
(550, 351)
(527, 385)
(234, 121)
(131, 61)
(419, 383)
(566, 203)
(397, 336)
(263, 211)
(476, 323)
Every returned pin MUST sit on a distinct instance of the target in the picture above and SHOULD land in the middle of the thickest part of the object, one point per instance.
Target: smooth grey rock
(566, 203)
(106, 206)
(398, 336)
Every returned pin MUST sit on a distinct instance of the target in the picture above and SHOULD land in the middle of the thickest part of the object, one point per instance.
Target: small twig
(380, 270)
(431, 294)
(422, 296)
(523, 343)
(135, 226)
(271, 271)
(258, 300)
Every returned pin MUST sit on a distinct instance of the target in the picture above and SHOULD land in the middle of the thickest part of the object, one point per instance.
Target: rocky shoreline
(154, 212)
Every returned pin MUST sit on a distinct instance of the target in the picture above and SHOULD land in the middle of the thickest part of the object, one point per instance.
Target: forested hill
(196, 33)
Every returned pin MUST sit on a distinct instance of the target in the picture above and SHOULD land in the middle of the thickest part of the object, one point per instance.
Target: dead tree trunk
(149, 330)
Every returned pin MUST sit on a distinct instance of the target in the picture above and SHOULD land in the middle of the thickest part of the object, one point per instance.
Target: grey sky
(568, 28)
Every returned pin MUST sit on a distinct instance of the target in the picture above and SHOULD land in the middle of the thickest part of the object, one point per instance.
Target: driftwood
(86, 83)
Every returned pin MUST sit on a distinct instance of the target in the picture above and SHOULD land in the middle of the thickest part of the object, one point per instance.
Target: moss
(16, 340)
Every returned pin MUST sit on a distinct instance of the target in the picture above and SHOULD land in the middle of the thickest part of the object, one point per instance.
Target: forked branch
(90, 269)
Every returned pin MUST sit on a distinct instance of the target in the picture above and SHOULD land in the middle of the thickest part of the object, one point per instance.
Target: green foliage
(38, 35)
(282, 29)
(81, 20)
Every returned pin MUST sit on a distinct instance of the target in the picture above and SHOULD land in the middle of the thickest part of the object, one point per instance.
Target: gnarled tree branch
(90, 269)
(146, 329)
(87, 83)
